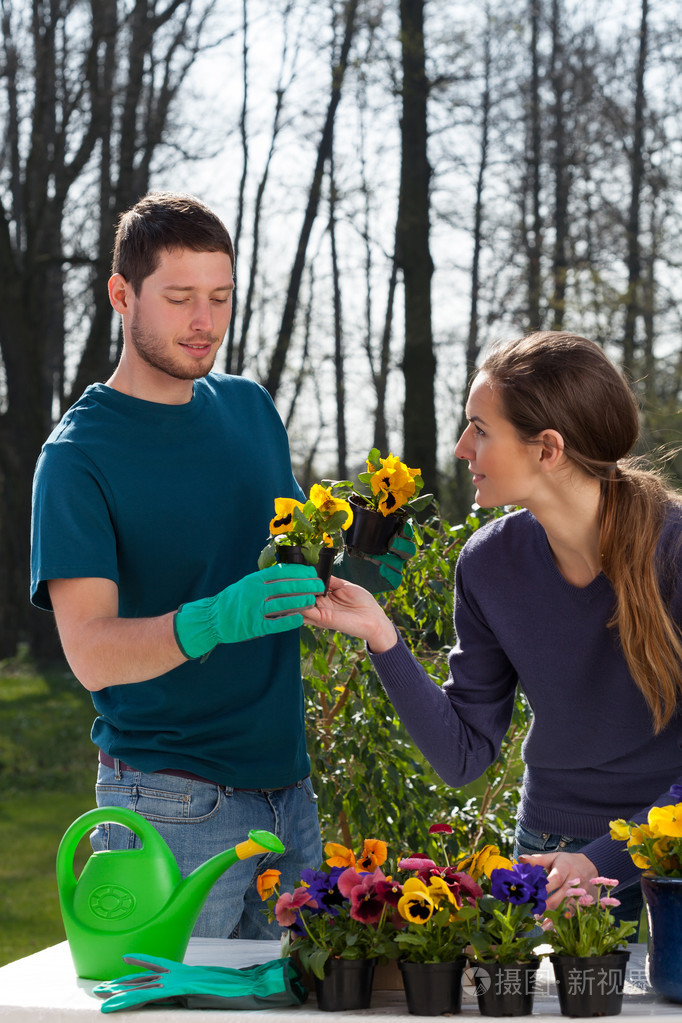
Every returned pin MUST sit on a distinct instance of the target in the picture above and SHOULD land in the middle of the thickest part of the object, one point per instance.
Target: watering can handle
(151, 838)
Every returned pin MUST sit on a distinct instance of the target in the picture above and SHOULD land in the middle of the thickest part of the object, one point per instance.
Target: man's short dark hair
(165, 220)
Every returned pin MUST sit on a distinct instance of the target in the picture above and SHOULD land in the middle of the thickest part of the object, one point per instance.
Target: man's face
(179, 319)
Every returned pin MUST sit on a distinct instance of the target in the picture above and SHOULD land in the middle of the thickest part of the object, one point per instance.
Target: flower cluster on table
(484, 906)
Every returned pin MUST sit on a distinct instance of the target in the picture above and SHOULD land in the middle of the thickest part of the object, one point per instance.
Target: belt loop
(117, 768)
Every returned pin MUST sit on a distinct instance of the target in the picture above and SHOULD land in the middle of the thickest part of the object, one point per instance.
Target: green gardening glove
(270, 985)
(259, 604)
(378, 572)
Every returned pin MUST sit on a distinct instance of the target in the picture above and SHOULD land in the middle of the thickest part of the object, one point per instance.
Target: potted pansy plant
(437, 905)
(385, 499)
(307, 533)
(589, 957)
(504, 933)
(655, 846)
(339, 922)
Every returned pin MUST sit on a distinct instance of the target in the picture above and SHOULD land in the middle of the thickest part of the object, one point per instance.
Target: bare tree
(88, 88)
(278, 359)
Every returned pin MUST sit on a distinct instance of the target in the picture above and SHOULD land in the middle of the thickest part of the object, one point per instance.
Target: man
(151, 502)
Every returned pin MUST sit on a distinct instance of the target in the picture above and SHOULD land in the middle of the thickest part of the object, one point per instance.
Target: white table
(43, 988)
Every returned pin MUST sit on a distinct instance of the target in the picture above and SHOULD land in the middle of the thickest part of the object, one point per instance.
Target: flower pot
(370, 532)
(504, 989)
(663, 900)
(433, 988)
(293, 555)
(590, 985)
(347, 984)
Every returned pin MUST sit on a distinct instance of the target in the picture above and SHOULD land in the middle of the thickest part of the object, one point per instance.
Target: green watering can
(135, 900)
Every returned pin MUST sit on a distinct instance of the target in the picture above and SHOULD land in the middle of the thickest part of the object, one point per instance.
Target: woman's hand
(353, 610)
(563, 870)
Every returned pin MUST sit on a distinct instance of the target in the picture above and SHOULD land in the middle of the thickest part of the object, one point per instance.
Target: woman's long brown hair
(563, 382)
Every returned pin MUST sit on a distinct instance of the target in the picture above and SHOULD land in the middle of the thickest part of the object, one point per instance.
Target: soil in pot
(590, 985)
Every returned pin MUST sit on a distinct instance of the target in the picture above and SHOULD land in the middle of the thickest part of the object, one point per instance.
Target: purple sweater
(590, 754)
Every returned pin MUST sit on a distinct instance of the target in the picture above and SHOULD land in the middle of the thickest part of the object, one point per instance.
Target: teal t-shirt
(173, 502)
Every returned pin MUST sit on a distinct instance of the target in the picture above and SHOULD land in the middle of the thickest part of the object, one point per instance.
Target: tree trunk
(561, 176)
(414, 256)
(633, 308)
(279, 355)
(533, 232)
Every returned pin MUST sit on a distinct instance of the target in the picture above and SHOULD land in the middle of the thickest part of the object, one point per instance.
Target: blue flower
(524, 882)
(323, 888)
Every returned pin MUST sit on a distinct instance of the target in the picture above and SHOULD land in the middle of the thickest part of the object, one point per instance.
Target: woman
(576, 596)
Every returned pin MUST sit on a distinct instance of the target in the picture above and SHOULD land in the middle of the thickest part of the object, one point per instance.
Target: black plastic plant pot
(287, 555)
(505, 989)
(370, 532)
(347, 984)
(433, 988)
(590, 985)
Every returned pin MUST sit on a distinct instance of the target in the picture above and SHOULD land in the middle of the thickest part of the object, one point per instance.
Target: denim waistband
(108, 761)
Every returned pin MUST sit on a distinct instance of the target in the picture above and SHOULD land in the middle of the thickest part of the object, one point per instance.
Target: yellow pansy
(284, 515)
(484, 861)
(338, 855)
(439, 890)
(323, 499)
(620, 830)
(666, 820)
(415, 905)
(393, 484)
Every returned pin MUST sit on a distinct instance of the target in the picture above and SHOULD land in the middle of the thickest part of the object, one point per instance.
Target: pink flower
(347, 881)
(440, 829)
(288, 904)
(417, 861)
(607, 882)
(607, 901)
(586, 900)
(365, 892)
(575, 893)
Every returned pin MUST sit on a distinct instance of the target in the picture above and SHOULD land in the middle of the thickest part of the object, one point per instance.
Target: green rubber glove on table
(271, 985)
(258, 605)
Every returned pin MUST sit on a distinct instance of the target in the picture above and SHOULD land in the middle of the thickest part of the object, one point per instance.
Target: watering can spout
(189, 896)
(134, 900)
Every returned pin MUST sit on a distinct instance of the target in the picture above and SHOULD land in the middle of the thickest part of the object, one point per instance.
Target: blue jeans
(198, 819)
(528, 842)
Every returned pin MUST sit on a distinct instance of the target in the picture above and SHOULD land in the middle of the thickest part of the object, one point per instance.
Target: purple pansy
(524, 882)
(323, 888)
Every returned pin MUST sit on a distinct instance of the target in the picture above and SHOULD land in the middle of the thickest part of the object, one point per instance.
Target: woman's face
(504, 469)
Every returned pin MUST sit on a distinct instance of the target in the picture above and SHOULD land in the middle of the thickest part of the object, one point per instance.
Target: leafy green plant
(583, 924)
(365, 767)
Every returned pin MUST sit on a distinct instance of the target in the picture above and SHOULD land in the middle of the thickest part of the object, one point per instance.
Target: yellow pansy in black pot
(385, 499)
(307, 534)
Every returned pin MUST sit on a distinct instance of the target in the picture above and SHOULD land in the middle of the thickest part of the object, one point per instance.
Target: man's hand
(353, 610)
(260, 604)
(563, 870)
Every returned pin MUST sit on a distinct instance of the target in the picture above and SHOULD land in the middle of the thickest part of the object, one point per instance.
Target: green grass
(47, 776)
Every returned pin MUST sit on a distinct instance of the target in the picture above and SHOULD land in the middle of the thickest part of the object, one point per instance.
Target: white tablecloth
(44, 987)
